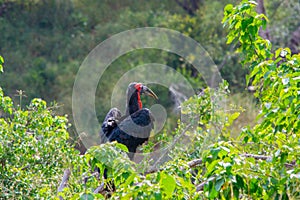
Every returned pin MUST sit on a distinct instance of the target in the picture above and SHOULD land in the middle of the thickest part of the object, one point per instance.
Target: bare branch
(262, 157)
(261, 10)
(295, 41)
(194, 163)
(64, 181)
(201, 185)
(256, 157)
(99, 189)
(86, 178)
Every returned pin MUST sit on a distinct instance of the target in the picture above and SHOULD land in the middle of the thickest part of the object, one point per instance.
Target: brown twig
(201, 185)
(99, 189)
(262, 157)
(256, 157)
(194, 163)
(86, 178)
(64, 182)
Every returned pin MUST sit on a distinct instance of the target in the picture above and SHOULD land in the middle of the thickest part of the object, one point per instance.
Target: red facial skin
(138, 86)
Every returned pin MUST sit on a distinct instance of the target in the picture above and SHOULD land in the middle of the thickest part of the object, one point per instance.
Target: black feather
(109, 123)
(133, 129)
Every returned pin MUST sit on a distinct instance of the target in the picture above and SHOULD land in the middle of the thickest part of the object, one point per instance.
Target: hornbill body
(134, 128)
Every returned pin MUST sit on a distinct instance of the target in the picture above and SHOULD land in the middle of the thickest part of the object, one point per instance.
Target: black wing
(134, 130)
(109, 123)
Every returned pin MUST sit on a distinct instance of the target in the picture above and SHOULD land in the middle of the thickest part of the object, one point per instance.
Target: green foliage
(1, 64)
(262, 163)
(276, 80)
(34, 150)
(243, 24)
(56, 36)
(284, 18)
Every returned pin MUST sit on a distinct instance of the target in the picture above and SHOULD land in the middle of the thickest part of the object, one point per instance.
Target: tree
(261, 10)
(190, 6)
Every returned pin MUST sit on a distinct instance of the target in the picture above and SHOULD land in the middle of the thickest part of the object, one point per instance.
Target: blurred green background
(44, 42)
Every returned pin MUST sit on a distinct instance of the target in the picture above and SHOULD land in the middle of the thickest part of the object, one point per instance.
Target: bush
(34, 149)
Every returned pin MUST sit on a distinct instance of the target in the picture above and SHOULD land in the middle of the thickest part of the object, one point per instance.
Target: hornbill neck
(134, 103)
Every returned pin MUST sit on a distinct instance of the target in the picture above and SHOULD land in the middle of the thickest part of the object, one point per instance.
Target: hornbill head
(134, 92)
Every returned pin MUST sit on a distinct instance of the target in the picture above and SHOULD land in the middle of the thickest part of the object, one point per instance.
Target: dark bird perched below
(134, 128)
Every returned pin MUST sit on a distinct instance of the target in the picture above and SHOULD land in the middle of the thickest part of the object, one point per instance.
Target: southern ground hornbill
(134, 128)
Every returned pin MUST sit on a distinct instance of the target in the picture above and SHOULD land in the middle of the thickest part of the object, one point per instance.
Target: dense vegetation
(44, 42)
(262, 162)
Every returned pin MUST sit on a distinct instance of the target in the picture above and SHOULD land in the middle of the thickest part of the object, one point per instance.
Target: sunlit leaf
(168, 184)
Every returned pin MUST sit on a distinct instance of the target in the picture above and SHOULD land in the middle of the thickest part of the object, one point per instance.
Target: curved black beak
(149, 92)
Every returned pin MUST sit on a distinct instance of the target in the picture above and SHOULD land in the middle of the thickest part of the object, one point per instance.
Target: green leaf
(255, 71)
(247, 79)
(239, 181)
(211, 167)
(129, 179)
(213, 193)
(228, 8)
(245, 6)
(168, 184)
(253, 185)
(264, 24)
(122, 147)
(87, 197)
(230, 39)
(1, 63)
(215, 152)
(233, 117)
(283, 157)
(252, 30)
(285, 81)
(277, 52)
(219, 184)
(236, 192)
(277, 153)
(157, 195)
(253, 2)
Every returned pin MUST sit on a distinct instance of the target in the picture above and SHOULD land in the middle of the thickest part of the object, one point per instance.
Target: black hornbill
(134, 128)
